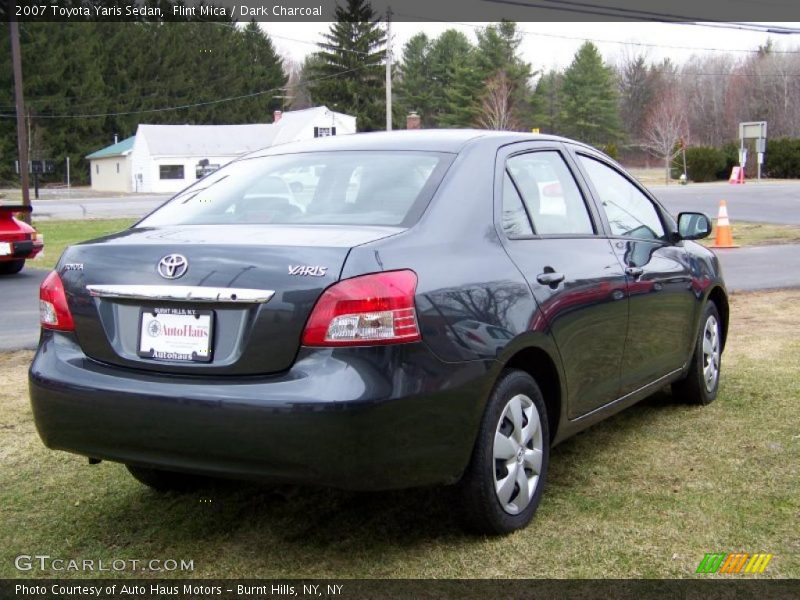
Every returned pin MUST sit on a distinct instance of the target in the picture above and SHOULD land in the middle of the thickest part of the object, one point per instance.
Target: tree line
(90, 80)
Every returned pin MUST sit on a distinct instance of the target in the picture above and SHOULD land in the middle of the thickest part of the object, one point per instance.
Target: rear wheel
(9, 267)
(166, 481)
(702, 381)
(503, 483)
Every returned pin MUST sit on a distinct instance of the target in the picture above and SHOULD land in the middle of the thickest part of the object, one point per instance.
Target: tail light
(53, 310)
(368, 310)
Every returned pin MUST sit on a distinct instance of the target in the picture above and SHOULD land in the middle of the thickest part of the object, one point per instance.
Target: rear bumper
(355, 418)
(22, 249)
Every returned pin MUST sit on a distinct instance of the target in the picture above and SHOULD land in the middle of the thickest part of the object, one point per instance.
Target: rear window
(320, 188)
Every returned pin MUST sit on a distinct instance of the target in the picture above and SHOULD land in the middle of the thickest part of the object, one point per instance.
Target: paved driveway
(19, 318)
(763, 202)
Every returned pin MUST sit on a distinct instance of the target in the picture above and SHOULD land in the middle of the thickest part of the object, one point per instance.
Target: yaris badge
(173, 266)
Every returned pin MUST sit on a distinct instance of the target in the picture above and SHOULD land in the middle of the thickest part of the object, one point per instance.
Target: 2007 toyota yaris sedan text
(379, 311)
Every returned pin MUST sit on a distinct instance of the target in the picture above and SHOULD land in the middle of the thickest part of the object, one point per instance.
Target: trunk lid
(246, 294)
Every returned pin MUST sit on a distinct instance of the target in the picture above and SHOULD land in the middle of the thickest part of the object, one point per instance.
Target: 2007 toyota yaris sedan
(379, 311)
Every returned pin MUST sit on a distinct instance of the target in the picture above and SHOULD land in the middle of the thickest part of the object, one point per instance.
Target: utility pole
(22, 136)
(389, 69)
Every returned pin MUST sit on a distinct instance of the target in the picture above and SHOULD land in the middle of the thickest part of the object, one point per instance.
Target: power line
(185, 106)
(605, 41)
(639, 15)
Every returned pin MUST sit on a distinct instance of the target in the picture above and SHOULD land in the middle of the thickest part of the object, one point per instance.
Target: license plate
(177, 334)
(5, 249)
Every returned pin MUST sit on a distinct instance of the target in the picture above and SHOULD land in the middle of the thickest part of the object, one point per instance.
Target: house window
(170, 172)
(96, 168)
(117, 167)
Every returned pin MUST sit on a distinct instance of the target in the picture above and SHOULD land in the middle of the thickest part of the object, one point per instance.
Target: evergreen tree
(349, 74)
(546, 103)
(455, 81)
(414, 86)
(590, 99)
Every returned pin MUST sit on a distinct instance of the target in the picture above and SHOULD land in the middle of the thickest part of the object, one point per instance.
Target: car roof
(431, 140)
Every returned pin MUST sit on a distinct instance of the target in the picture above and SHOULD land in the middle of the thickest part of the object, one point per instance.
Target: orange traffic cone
(724, 237)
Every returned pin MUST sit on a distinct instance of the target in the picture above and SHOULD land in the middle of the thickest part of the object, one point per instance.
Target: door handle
(634, 271)
(550, 278)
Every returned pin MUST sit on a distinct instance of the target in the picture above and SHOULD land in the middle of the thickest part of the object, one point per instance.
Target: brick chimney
(413, 121)
(276, 116)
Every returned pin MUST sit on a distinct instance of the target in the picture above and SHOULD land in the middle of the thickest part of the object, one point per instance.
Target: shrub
(703, 163)
(731, 152)
(611, 150)
(783, 158)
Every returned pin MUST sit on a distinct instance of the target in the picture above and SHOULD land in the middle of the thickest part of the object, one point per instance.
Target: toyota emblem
(173, 266)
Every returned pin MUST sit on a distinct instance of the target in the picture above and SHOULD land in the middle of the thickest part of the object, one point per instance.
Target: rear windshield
(319, 188)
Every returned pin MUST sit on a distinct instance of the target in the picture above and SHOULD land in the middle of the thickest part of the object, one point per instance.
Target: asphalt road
(762, 202)
(745, 269)
(96, 208)
(19, 314)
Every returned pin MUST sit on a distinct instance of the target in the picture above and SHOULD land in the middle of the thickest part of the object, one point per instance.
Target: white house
(111, 167)
(167, 158)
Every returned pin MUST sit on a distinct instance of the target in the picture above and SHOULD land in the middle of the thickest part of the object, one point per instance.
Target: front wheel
(10, 267)
(503, 483)
(701, 383)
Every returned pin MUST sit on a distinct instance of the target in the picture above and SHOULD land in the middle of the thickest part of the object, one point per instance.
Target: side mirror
(693, 226)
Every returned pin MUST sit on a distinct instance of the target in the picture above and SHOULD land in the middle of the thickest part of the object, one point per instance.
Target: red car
(18, 240)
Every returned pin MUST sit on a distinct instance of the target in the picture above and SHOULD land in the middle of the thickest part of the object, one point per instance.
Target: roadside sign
(38, 166)
(753, 129)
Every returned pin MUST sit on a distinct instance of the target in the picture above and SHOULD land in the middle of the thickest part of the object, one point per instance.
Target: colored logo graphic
(742, 562)
(154, 328)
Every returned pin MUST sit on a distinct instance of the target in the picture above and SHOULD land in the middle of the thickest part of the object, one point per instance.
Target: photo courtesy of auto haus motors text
(183, 590)
(354, 299)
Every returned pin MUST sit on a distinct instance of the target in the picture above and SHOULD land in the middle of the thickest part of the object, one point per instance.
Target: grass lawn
(644, 494)
(60, 234)
(747, 233)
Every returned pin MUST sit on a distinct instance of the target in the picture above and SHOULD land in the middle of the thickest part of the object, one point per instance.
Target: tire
(166, 481)
(490, 493)
(10, 267)
(701, 383)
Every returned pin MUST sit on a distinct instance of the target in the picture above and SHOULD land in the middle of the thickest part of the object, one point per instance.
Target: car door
(661, 301)
(555, 238)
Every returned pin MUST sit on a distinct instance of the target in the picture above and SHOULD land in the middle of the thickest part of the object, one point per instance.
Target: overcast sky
(547, 45)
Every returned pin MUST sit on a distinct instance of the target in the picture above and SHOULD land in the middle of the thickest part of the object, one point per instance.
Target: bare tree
(497, 104)
(665, 126)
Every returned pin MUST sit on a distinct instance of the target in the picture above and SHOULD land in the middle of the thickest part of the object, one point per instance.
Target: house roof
(119, 149)
(222, 140)
(293, 122)
(204, 140)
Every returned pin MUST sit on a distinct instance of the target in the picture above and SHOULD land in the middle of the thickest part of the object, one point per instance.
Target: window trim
(529, 147)
(660, 210)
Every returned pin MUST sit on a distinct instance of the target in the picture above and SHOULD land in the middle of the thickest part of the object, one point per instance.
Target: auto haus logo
(156, 329)
(735, 562)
